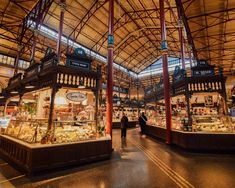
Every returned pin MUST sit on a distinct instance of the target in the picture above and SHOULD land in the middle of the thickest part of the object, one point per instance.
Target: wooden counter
(37, 157)
(197, 141)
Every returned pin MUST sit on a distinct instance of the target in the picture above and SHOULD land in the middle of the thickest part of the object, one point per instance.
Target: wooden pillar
(52, 104)
(166, 79)
(109, 93)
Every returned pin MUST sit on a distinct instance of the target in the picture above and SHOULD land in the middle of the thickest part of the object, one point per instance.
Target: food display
(28, 131)
(73, 134)
(62, 132)
(212, 123)
(131, 113)
(156, 117)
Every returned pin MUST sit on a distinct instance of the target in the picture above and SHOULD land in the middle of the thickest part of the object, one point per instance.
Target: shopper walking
(124, 125)
(142, 123)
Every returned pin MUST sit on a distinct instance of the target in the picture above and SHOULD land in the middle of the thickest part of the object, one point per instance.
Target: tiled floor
(136, 162)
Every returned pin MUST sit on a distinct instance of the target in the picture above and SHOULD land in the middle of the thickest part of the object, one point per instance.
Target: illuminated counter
(198, 141)
(38, 157)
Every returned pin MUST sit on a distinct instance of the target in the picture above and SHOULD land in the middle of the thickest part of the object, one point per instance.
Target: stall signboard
(78, 59)
(209, 72)
(202, 63)
(4, 122)
(76, 96)
(117, 89)
(203, 69)
(78, 64)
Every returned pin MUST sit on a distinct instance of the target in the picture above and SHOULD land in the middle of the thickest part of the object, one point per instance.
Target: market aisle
(138, 162)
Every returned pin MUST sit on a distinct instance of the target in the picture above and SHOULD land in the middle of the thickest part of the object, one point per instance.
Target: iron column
(166, 79)
(181, 38)
(109, 92)
(62, 8)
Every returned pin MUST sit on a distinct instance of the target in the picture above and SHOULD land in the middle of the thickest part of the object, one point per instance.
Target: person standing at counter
(124, 125)
(142, 122)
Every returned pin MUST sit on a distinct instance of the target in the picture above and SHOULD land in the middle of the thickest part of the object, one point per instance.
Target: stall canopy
(209, 29)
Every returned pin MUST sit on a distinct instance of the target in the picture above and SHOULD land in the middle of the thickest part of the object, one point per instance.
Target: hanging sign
(203, 69)
(80, 52)
(78, 59)
(76, 96)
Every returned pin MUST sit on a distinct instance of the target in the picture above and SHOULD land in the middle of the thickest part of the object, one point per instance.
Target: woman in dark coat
(142, 122)
(124, 125)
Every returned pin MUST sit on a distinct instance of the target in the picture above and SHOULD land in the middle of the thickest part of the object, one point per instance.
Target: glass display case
(156, 117)
(62, 131)
(131, 113)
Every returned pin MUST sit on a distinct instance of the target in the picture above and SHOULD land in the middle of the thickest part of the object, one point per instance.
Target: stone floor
(136, 162)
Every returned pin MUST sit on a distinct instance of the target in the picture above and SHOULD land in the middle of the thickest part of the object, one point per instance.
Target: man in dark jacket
(142, 122)
(124, 125)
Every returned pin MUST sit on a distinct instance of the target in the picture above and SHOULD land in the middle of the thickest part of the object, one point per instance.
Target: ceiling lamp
(14, 92)
(29, 87)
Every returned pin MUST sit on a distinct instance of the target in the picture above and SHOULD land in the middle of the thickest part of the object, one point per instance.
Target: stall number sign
(4, 122)
(48, 63)
(76, 96)
(203, 72)
(79, 64)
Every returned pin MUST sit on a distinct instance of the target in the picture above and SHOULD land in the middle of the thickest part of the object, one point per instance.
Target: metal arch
(130, 17)
(189, 34)
(137, 52)
(140, 49)
(216, 46)
(133, 20)
(37, 14)
(142, 65)
(130, 58)
(134, 36)
(94, 8)
(125, 18)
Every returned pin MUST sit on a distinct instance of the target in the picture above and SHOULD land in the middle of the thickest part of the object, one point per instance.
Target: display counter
(39, 157)
(197, 141)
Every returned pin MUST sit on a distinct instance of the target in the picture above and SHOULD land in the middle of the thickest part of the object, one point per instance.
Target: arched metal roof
(209, 26)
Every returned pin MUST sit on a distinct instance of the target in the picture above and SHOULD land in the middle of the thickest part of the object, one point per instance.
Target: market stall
(61, 123)
(199, 110)
(123, 104)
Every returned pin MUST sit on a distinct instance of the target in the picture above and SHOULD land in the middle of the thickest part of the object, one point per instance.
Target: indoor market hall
(117, 93)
